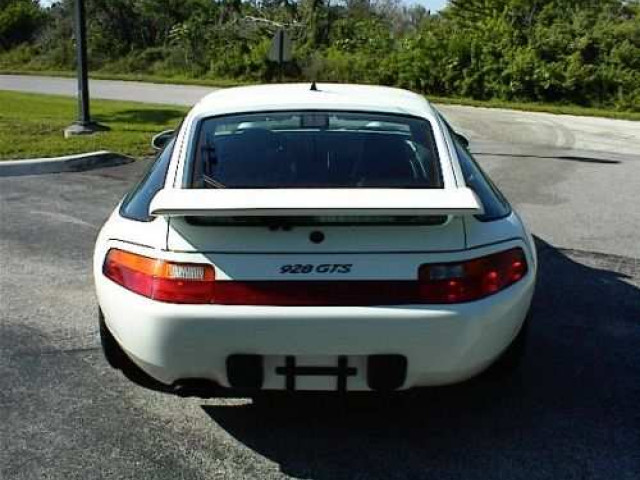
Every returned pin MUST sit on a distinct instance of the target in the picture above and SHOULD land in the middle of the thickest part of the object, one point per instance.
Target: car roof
(300, 96)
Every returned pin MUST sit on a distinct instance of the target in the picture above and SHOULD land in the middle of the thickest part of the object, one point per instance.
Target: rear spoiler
(286, 202)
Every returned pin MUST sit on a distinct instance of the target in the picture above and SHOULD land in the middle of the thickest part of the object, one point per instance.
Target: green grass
(31, 125)
(557, 109)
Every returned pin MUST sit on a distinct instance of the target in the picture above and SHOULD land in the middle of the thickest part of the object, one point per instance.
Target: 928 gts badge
(302, 268)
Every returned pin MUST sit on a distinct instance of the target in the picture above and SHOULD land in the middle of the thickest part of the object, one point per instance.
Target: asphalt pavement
(570, 412)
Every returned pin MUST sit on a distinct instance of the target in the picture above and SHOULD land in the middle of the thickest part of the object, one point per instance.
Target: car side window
(495, 204)
(136, 204)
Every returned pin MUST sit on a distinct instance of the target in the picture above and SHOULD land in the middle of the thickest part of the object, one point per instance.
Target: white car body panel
(149, 234)
(177, 202)
(442, 343)
(339, 239)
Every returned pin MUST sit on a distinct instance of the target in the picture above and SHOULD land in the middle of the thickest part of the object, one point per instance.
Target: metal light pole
(81, 52)
(83, 125)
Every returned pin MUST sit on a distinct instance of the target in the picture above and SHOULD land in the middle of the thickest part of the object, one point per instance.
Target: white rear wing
(284, 202)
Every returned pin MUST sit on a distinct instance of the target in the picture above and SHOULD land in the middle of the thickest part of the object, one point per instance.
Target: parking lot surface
(570, 412)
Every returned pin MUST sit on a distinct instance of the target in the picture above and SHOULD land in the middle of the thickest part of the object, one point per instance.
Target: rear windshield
(315, 150)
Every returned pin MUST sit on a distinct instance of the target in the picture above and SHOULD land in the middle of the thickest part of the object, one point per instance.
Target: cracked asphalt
(570, 412)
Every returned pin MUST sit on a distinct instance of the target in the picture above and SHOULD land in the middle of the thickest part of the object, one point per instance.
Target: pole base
(83, 128)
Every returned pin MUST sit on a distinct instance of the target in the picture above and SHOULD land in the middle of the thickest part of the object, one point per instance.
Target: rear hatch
(321, 195)
(329, 234)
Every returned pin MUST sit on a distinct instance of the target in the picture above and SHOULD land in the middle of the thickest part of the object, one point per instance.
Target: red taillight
(164, 281)
(195, 283)
(472, 279)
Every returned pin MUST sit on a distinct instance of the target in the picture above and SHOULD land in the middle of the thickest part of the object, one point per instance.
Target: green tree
(19, 21)
(576, 51)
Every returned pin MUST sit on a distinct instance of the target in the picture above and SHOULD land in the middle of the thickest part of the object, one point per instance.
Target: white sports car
(301, 237)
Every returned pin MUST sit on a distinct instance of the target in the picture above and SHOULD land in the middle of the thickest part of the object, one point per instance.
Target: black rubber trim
(386, 373)
(359, 252)
(245, 371)
(342, 372)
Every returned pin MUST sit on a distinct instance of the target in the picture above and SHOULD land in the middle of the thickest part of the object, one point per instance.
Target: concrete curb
(69, 163)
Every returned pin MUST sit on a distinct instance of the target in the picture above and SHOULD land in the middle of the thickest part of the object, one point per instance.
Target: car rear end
(317, 250)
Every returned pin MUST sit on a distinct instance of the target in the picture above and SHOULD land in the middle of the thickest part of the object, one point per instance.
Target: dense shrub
(19, 21)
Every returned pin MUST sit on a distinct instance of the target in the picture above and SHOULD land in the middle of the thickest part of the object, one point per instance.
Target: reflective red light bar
(195, 283)
(316, 293)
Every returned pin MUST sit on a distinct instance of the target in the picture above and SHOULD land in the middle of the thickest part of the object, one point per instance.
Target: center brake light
(192, 283)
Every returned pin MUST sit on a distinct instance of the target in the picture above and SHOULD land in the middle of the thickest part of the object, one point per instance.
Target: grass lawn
(31, 125)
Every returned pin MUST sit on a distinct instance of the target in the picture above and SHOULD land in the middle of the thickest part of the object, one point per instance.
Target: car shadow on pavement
(570, 411)
(572, 158)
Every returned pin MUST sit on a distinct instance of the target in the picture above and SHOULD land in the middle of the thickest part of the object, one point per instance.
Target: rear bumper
(442, 343)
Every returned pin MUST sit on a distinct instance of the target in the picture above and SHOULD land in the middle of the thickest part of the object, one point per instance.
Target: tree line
(584, 52)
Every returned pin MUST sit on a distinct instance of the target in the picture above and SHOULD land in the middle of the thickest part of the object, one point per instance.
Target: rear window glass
(315, 150)
(495, 204)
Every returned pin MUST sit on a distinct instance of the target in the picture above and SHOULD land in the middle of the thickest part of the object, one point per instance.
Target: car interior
(263, 158)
